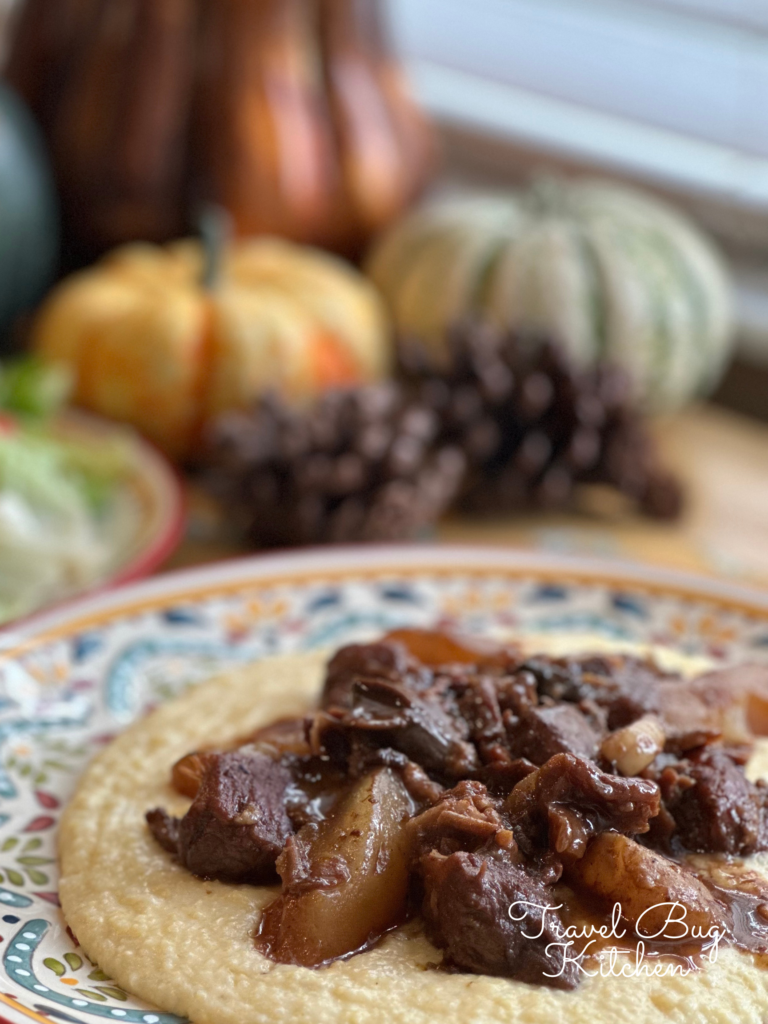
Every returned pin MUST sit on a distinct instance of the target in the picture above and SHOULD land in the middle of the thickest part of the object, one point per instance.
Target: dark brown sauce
(267, 934)
(744, 894)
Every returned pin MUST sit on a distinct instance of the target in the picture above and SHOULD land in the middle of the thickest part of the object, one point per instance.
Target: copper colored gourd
(292, 114)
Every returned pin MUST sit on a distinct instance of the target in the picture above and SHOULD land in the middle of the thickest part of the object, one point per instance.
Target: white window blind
(675, 89)
(741, 12)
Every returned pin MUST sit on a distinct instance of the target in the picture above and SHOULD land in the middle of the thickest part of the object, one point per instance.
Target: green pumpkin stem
(216, 230)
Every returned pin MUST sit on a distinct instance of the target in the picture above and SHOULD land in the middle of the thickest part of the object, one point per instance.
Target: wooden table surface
(722, 458)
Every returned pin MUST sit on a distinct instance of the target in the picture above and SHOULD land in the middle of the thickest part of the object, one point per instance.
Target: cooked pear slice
(646, 885)
(345, 880)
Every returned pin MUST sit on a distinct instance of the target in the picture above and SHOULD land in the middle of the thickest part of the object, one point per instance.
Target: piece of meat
(164, 828)
(515, 693)
(626, 687)
(541, 732)
(467, 910)
(715, 808)
(502, 776)
(478, 704)
(385, 660)
(730, 703)
(464, 818)
(285, 737)
(419, 726)
(569, 799)
(237, 824)
(688, 721)
(423, 790)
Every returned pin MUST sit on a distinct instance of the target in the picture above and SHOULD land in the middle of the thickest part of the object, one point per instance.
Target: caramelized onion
(434, 648)
(187, 773)
(631, 749)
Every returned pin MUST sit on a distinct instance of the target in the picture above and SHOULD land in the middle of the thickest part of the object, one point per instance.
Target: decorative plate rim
(307, 564)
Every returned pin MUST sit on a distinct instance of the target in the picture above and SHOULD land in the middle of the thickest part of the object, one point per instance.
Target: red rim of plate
(171, 500)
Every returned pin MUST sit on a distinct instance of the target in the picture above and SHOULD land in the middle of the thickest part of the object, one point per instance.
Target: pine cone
(358, 465)
(533, 427)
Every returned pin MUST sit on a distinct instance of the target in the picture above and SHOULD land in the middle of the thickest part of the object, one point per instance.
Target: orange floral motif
(714, 629)
(706, 625)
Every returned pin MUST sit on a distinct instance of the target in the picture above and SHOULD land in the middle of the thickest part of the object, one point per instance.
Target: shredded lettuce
(56, 490)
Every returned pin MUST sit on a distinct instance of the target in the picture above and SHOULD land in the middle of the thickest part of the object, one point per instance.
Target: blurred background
(662, 93)
(288, 272)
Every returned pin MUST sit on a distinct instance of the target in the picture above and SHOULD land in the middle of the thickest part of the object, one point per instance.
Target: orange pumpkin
(291, 114)
(150, 345)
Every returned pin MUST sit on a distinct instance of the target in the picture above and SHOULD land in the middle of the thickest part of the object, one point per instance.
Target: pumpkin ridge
(480, 294)
(705, 353)
(696, 356)
(660, 310)
(205, 370)
(597, 289)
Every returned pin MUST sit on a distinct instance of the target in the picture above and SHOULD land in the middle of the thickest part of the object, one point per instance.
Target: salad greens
(57, 486)
(29, 387)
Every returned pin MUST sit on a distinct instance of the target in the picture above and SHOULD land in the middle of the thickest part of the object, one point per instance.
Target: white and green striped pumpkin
(613, 274)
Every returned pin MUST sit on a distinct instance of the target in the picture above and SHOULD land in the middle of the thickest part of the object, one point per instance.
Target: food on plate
(454, 822)
(165, 338)
(62, 514)
(362, 852)
(611, 273)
